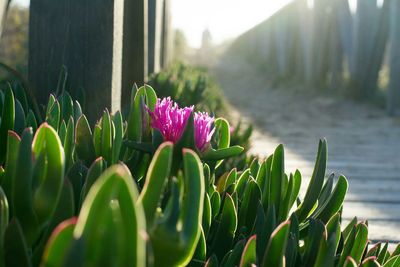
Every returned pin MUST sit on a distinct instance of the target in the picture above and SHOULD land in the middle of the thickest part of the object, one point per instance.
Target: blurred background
(296, 70)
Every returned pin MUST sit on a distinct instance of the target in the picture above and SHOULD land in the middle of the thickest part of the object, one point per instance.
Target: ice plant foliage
(203, 130)
(169, 119)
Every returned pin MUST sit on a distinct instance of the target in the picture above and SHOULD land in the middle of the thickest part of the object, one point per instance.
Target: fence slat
(135, 47)
(154, 36)
(81, 35)
(393, 97)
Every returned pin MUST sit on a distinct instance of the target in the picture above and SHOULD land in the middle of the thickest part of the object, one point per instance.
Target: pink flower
(169, 119)
(203, 130)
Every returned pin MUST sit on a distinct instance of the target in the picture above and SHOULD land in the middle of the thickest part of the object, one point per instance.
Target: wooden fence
(327, 45)
(106, 46)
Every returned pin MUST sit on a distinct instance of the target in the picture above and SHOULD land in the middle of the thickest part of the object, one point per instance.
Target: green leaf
(53, 115)
(137, 114)
(4, 216)
(16, 250)
(58, 244)
(223, 131)
(31, 121)
(19, 122)
(84, 142)
(22, 191)
(349, 262)
(370, 262)
(119, 132)
(316, 182)
(277, 175)
(333, 202)
(248, 209)
(156, 178)
(92, 175)
(67, 106)
(274, 254)
(360, 242)
(226, 229)
(7, 122)
(106, 137)
(69, 143)
(112, 202)
(249, 256)
(47, 142)
(214, 155)
(393, 262)
(11, 164)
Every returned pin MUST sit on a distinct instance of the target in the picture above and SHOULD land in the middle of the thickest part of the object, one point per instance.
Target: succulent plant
(129, 192)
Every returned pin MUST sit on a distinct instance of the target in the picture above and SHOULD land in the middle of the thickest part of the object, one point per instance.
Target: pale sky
(225, 19)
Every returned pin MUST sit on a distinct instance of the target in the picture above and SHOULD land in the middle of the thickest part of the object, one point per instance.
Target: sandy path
(363, 143)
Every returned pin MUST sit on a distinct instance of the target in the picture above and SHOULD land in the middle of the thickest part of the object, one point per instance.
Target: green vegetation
(119, 194)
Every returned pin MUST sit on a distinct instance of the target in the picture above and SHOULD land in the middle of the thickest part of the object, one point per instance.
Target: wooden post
(86, 37)
(154, 35)
(166, 39)
(4, 4)
(135, 60)
(393, 96)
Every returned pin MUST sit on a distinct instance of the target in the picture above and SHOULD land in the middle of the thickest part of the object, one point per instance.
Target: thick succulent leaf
(214, 155)
(69, 143)
(277, 175)
(370, 262)
(192, 207)
(199, 256)
(31, 121)
(347, 247)
(249, 255)
(47, 142)
(349, 262)
(65, 210)
(59, 243)
(144, 95)
(106, 137)
(112, 201)
(4, 216)
(83, 141)
(11, 164)
(22, 190)
(212, 261)
(7, 122)
(232, 258)
(157, 174)
(19, 123)
(119, 132)
(16, 250)
(275, 252)
(316, 182)
(227, 224)
(223, 130)
(94, 172)
(206, 221)
(393, 262)
(316, 234)
(67, 106)
(333, 202)
(360, 242)
(53, 115)
(248, 208)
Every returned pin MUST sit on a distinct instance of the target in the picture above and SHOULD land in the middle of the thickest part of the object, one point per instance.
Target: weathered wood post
(166, 35)
(154, 35)
(3, 11)
(135, 60)
(86, 37)
(393, 96)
